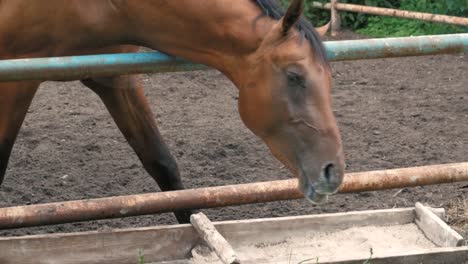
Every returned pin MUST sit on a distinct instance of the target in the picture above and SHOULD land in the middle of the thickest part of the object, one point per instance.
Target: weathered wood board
(435, 229)
(250, 239)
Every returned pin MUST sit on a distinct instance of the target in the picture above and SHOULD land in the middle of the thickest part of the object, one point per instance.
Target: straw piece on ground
(214, 239)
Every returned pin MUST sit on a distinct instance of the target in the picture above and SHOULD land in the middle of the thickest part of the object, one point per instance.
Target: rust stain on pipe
(152, 203)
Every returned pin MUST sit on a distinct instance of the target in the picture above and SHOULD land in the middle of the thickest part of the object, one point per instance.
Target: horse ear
(323, 29)
(293, 14)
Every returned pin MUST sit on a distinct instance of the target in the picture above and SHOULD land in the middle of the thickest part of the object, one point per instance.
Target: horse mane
(274, 10)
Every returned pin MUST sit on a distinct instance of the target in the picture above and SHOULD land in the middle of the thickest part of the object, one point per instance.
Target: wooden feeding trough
(408, 235)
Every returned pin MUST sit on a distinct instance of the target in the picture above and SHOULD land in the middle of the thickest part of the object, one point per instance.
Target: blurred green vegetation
(381, 26)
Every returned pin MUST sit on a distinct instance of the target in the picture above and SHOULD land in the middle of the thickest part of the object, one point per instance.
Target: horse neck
(221, 33)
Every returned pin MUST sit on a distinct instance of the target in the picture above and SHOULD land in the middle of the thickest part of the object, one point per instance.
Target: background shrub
(380, 26)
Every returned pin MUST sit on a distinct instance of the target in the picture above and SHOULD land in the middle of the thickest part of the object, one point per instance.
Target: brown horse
(275, 58)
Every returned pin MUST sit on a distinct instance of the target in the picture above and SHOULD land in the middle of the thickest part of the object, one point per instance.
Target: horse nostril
(329, 172)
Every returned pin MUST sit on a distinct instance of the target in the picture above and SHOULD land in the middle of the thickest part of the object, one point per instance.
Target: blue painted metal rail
(81, 67)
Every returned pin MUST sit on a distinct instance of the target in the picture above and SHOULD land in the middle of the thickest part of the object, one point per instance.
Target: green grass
(398, 27)
(369, 260)
(382, 26)
(141, 257)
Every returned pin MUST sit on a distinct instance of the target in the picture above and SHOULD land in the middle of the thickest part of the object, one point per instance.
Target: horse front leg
(124, 98)
(15, 99)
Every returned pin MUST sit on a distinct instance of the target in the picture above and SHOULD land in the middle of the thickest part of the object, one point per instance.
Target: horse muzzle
(327, 183)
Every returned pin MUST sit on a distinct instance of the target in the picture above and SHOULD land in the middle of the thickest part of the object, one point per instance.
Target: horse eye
(295, 79)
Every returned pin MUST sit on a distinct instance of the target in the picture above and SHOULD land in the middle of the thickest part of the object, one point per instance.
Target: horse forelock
(274, 10)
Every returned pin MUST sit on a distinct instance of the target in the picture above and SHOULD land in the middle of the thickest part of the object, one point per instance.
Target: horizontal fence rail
(82, 67)
(462, 21)
(396, 47)
(152, 203)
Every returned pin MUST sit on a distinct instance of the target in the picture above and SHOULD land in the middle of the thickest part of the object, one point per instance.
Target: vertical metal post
(335, 19)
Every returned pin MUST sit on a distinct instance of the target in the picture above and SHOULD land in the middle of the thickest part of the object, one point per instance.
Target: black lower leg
(163, 168)
(5, 150)
(15, 98)
(125, 100)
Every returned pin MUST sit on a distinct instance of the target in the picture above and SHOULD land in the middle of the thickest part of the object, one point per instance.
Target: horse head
(285, 99)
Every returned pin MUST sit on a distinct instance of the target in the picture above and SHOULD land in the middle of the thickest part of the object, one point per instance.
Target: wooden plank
(174, 243)
(372, 10)
(453, 255)
(214, 239)
(236, 231)
(116, 246)
(440, 212)
(335, 19)
(435, 229)
(186, 261)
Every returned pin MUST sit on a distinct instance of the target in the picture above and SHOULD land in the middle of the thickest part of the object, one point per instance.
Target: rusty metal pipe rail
(153, 203)
(462, 21)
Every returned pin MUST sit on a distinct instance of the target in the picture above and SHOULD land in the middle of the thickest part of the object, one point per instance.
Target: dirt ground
(392, 112)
